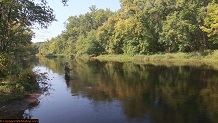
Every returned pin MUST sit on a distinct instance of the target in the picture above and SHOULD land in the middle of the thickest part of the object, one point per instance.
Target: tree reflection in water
(165, 93)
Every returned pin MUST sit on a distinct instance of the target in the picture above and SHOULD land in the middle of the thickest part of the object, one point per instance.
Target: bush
(27, 80)
(9, 65)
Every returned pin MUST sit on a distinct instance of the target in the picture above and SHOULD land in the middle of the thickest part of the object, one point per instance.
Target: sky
(62, 13)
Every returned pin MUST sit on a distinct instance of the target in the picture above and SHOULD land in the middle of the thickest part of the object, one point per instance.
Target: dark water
(111, 92)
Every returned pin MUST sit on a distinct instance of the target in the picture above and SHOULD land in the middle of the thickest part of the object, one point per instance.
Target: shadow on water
(129, 92)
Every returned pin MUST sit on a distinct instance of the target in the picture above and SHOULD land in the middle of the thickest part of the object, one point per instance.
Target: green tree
(19, 14)
(89, 45)
(146, 19)
(144, 27)
(211, 21)
(79, 28)
(106, 34)
(180, 29)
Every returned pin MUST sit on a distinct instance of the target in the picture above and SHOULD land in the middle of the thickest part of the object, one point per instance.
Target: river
(113, 92)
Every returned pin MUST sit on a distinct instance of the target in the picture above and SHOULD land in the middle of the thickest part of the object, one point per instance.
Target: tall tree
(145, 27)
(180, 29)
(211, 21)
(106, 35)
(16, 14)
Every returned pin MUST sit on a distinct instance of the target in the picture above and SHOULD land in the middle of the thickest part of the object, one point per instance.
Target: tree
(180, 29)
(145, 27)
(106, 36)
(16, 14)
(88, 45)
(80, 32)
(211, 21)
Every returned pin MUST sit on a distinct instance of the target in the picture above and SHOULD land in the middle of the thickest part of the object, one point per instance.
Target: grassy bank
(17, 78)
(27, 82)
(206, 56)
(17, 86)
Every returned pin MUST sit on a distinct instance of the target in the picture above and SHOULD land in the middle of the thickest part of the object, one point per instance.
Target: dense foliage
(17, 17)
(140, 27)
(80, 34)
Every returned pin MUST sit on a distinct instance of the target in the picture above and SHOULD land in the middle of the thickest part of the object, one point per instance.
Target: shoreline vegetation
(195, 59)
(207, 56)
(18, 81)
(13, 100)
(163, 57)
(204, 57)
(10, 93)
(16, 76)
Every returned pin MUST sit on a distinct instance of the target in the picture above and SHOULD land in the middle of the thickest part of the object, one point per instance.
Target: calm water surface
(110, 92)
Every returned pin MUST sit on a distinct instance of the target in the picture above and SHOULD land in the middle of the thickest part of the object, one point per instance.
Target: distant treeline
(140, 27)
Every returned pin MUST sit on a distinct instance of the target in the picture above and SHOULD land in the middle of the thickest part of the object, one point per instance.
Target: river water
(113, 92)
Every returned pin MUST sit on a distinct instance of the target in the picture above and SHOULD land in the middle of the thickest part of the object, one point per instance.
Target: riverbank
(207, 56)
(21, 92)
(13, 107)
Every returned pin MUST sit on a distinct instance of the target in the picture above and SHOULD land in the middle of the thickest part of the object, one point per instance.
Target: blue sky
(75, 7)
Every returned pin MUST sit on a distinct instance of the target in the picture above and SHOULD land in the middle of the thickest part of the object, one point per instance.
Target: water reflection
(146, 92)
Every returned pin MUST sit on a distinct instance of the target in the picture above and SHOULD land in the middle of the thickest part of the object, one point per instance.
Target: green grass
(122, 58)
(15, 87)
(206, 56)
(9, 92)
(212, 56)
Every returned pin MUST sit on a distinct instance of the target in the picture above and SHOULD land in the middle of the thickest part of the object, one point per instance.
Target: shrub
(9, 65)
(27, 80)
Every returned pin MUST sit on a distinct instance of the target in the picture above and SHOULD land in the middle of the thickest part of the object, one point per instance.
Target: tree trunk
(1, 10)
(206, 46)
(1, 23)
(4, 40)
